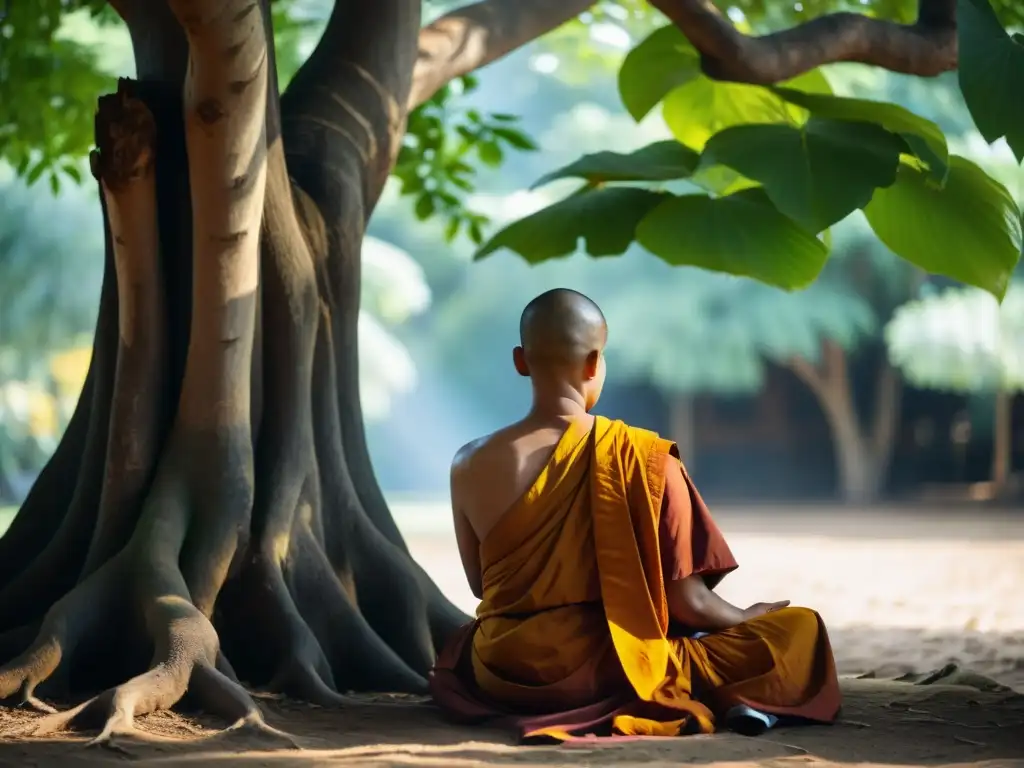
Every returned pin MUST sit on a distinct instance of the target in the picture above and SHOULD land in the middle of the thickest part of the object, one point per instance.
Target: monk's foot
(746, 721)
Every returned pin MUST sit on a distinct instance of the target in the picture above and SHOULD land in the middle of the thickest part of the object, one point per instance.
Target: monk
(595, 561)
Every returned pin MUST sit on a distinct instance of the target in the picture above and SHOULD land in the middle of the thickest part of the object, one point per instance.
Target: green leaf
(924, 137)
(514, 138)
(54, 183)
(425, 206)
(660, 63)
(740, 234)
(817, 173)
(666, 60)
(969, 229)
(451, 231)
(991, 71)
(661, 161)
(703, 107)
(35, 174)
(605, 219)
(72, 171)
(490, 153)
(810, 82)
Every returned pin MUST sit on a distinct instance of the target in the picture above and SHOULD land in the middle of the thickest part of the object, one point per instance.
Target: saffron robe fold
(573, 635)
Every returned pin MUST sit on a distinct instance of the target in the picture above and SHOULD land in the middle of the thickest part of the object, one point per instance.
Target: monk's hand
(760, 609)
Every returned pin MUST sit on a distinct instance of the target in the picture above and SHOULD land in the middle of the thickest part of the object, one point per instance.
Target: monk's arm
(694, 555)
(465, 537)
(692, 603)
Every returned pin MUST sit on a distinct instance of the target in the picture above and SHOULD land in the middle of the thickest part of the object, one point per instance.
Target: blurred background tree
(51, 256)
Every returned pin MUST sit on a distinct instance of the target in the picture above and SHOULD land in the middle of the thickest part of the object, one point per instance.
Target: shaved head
(562, 326)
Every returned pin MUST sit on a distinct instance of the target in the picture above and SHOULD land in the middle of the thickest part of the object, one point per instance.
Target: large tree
(214, 483)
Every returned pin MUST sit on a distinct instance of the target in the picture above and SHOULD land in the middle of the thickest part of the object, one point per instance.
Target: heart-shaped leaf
(991, 72)
(661, 62)
(605, 219)
(740, 234)
(969, 229)
(924, 138)
(817, 173)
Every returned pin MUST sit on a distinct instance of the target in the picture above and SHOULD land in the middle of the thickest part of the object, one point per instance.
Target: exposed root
(360, 656)
(21, 676)
(76, 615)
(257, 726)
(225, 668)
(444, 618)
(29, 701)
(302, 667)
(391, 599)
(299, 680)
(220, 695)
(181, 513)
(379, 580)
(186, 647)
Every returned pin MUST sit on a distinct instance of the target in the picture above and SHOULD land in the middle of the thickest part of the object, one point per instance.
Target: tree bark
(214, 482)
(926, 48)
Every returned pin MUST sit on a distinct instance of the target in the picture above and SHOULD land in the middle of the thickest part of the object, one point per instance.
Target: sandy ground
(902, 593)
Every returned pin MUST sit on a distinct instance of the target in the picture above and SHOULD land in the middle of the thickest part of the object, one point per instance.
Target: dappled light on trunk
(202, 524)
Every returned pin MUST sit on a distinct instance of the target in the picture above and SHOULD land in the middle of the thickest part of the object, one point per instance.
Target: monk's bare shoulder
(475, 451)
(466, 454)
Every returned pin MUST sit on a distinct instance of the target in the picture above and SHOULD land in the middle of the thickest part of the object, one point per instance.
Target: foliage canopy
(771, 169)
(813, 155)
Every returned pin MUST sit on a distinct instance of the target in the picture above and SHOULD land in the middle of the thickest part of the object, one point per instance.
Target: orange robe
(573, 635)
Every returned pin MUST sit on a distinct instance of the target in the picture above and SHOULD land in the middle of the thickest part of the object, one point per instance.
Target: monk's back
(496, 470)
(541, 621)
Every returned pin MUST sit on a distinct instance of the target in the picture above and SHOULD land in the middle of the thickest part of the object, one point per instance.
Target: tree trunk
(862, 457)
(213, 484)
(681, 424)
(1002, 440)
(858, 475)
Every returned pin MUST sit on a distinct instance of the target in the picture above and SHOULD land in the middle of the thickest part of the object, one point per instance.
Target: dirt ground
(903, 593)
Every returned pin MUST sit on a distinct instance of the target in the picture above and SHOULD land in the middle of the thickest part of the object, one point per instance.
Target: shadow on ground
(894, 651)
(950, 717)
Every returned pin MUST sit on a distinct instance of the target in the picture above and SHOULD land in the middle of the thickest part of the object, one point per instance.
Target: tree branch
(344, 111)
(476, 35)
(158, 41)
(925, 48)
(827, 379)
(810, 375)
